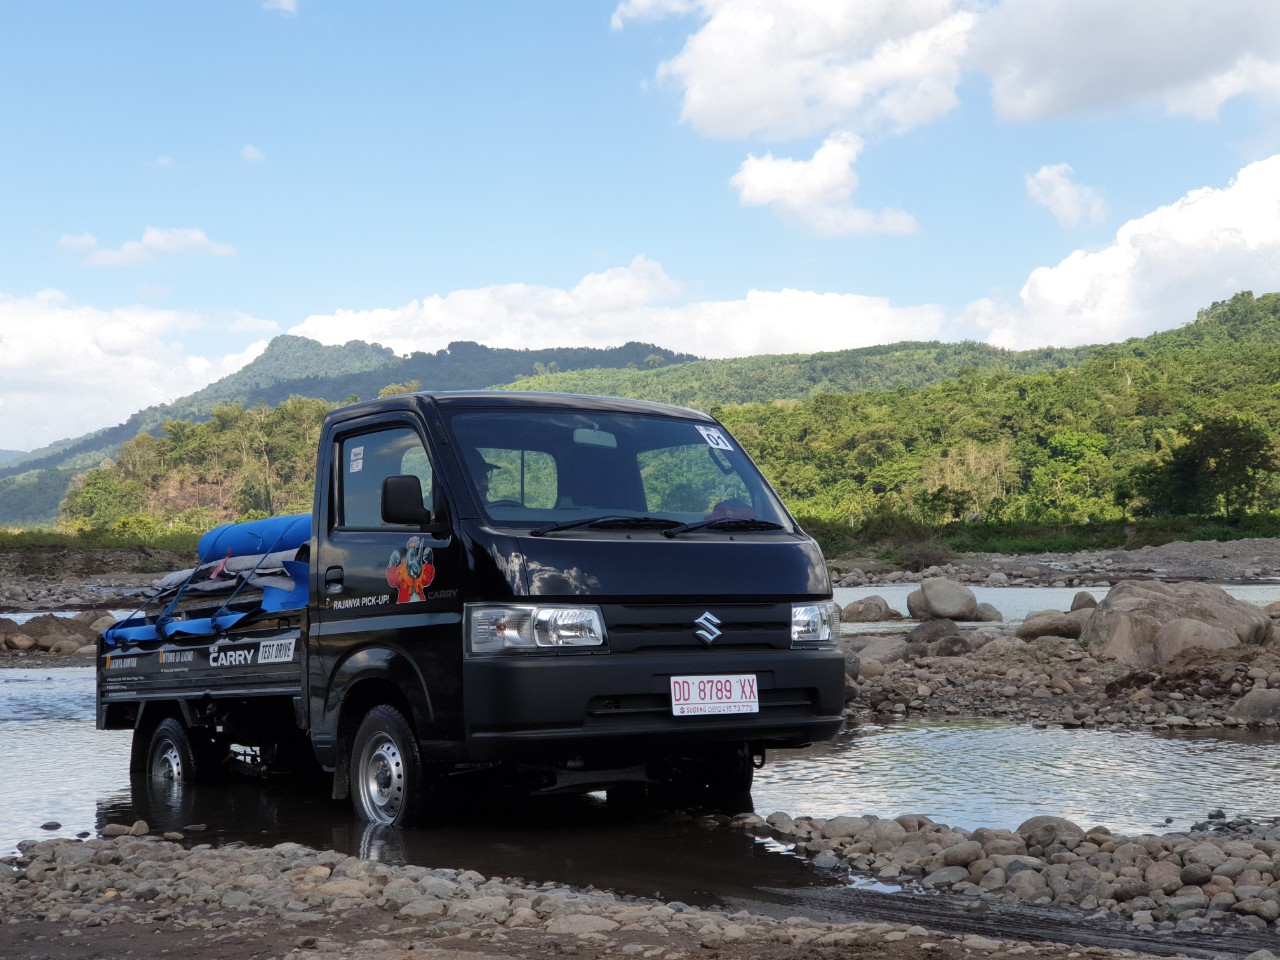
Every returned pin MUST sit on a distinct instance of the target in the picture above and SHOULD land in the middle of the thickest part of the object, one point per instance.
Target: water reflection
(580, 841)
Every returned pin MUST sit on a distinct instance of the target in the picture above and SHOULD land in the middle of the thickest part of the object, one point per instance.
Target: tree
(101, 499)
(1220, 466)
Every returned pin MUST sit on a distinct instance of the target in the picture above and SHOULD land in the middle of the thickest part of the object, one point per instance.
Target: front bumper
(553, 707)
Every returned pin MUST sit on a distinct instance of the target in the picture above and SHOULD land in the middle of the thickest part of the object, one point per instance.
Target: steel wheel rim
(381, 779)
(166, 766)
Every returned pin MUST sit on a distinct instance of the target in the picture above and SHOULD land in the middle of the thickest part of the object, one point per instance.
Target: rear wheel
(173, 757)
(388, 782)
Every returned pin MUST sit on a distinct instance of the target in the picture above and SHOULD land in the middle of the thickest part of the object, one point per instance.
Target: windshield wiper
(724, 523)
(605, 521)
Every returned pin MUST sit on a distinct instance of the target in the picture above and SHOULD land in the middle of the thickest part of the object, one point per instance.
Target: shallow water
(966, 773)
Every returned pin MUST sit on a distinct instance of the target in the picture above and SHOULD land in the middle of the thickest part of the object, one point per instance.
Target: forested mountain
(8, 455)
(296, 366)
(1181, 422)
(709, 384)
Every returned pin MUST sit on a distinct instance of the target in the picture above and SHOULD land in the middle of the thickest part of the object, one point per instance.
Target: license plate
(727, 693)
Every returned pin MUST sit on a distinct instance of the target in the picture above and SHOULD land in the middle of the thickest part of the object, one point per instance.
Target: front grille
(673, 628)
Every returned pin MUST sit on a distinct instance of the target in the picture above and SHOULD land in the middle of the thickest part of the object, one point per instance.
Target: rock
(1084, 600)
(884, 649)
(951, 647)
(1049, 624)
(946, 599)
(101, 624)
(581, 923)
(1206, 853)
(932, 630)
(962, 854)
(66, 646)
(20, 642)
(916, 607)
(870, 669)
(873, 609)
(946, 876)
(1258, 704)
(1125, 624)
(839, 827)
(1178, 635)
(1043, 831)
(1195, 874)
(1164, 875)
(987, 613)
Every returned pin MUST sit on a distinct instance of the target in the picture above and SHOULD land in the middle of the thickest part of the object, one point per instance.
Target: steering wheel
(504, 503)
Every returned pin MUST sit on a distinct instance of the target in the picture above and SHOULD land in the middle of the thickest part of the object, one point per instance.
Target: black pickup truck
(578, 593)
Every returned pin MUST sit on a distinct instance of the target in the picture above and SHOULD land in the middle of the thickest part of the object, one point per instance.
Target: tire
(388, 782)
(730, 772)
(717, 778)
(172, 758)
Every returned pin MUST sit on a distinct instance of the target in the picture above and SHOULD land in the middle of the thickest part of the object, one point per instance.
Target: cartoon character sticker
(411, 573)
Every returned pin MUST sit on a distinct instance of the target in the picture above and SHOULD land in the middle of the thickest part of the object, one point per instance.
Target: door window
(366, 459)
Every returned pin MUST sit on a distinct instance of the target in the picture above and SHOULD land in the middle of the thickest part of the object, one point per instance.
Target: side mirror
(402, 501)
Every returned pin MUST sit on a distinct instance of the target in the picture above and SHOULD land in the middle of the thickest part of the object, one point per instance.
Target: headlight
(814, 625)
(511, 628)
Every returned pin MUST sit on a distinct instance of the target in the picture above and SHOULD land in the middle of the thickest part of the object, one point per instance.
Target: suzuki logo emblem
(710, 625)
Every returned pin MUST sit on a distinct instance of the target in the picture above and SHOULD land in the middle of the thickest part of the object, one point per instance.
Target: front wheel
(388, 781)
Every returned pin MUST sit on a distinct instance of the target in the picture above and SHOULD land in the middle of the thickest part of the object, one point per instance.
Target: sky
(179, 183)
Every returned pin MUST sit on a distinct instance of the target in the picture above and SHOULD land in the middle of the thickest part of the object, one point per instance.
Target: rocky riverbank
(129, 893)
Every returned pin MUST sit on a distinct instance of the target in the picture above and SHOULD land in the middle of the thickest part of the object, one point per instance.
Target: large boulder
(1126, 623)
(944, 599)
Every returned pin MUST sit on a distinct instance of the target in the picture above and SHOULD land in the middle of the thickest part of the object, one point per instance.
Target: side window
(366, 459)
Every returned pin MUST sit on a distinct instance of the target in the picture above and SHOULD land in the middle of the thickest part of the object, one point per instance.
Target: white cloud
(650, 10)
(251, 154)
(626, 303)
(284, 6)
(245, 323)
(817, 192)
(1068, 201)
(1051, 57)
(1207, 246)
(79, 241)
(164, 241)
(163, 163)
(100, 368)
(790, 68)
(781, 70)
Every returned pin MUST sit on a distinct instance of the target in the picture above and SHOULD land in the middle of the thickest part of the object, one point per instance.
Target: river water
(58, 769)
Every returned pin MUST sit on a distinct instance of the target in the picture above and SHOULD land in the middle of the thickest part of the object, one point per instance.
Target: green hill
(711, 384)
(1180, 423)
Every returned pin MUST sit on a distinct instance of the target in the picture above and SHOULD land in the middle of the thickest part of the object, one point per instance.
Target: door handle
(333, 580)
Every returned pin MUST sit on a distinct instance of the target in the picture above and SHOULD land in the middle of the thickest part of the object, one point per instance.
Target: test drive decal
(412, 572)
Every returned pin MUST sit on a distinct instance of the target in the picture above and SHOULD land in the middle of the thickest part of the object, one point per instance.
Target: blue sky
(181, 182)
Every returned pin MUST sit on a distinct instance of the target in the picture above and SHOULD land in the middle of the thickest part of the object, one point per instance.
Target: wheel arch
(365, 690)
(150, 714)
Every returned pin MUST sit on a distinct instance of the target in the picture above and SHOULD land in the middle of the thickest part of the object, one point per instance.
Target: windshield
(550, 468)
